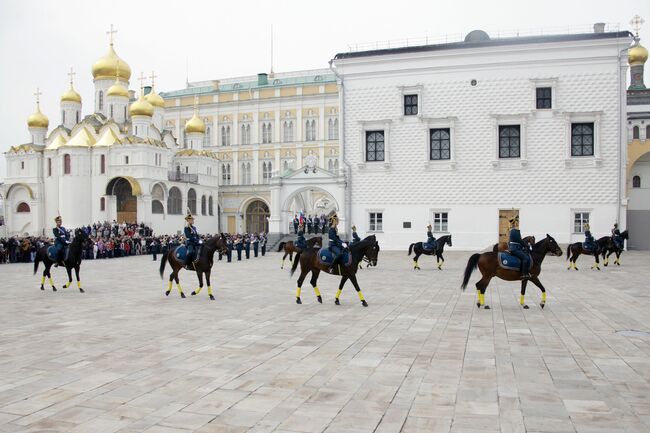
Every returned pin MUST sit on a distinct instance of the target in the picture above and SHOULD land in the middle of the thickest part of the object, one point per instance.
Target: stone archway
(125, 191)
(257, 214)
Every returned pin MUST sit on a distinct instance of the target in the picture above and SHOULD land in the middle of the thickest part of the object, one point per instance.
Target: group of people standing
(312, 224)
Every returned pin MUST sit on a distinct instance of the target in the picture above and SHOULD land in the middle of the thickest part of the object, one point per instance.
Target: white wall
(640, 197)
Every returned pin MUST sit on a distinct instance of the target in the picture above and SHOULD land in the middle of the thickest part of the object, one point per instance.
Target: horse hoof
(298, 301)
(183, 295)
(42, 288)
(526, 307)
(364, 303)
(53, 289)
(542, 305)
(336, 301)
(193, 293)
(487, 307)
(320, 299)
(211, 297)
(167, 292)
(478, 305)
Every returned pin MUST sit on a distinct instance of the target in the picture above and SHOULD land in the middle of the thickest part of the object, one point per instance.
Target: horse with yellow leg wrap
(72, 261)
(202, 266)
(309, 262)
(488, 264)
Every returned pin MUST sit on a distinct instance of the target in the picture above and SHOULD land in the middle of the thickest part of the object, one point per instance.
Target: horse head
(370, 249)
(625, 235)
(551, 246)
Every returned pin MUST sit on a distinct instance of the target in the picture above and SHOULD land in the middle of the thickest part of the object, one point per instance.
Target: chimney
(215, 84)
(262, 79)
(599, 28)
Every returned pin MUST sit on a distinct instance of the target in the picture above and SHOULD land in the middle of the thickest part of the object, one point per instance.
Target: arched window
(210, 208)
(191, 200)
(49, 166)
(310, 130)
(203, 205)
(23, 208)
(111, 116)
(288, 131)
(157, 207)
(102, 164)
(207, 137)
(102, 204)
(336, 165)
(63, 116)
(66, 164)
(330, 165)
(245, 134)
(78, 114)
(225, 135)
(267, 167)
(636, 182)
(267, 133)
(286, 165)
(333, 129)
(175, 202)
(101, 100)
(635, 133)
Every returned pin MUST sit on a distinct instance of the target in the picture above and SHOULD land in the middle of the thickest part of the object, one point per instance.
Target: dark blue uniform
(590, 243)
(431, 241)
(518, 248)
(256, 245)
(301, 242)
(191, 242)
(238, 246)
(335, 243)
(61, 240)
(617, 238)
(355, 237)
(247, 246)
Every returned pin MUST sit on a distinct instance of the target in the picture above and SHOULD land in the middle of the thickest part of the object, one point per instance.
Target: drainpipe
(348, 186)
(622, 97)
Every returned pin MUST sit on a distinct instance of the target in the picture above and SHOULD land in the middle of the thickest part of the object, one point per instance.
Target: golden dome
(71, 95)
(195, 124)
(117, 89)
(637, 54)
(141, 107)
(105, 67)
(155, 99)
(38, 119)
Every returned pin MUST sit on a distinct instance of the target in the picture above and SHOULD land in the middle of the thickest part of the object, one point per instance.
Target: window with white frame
(410, 105)
(225, 135)
(225, 174)
(582, 139)
(375, 146)
(287, 131)
(310, 130)
(207, 138)
(267, 132)
(509, 141)
(375, 221)
(439, 144)
(245, 173)
(579, 221)
(245, 134)
(267, 168)
(543, 98)
(333, 129)
(441, 222)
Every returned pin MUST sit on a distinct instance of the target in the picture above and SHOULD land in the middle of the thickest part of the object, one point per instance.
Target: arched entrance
(638, 208)
(257, 214)
(125, 191)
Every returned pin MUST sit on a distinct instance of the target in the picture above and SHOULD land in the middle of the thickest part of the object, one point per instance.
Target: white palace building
(462, 135)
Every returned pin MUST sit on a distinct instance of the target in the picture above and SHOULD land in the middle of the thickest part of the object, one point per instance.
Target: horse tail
(281, 246)
(294, 266)
(163, 262)
(495, 249)
(568, 251)
(410, 249)
(37, 260)
(472, 264)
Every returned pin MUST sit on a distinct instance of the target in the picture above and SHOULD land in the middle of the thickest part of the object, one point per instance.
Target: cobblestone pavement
(422, 357)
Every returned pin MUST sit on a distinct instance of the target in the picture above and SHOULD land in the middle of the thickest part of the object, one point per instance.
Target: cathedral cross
(71, 74)
(141, 79)
(636, 22)
(110, 34)
(153, 76)
(38, 95)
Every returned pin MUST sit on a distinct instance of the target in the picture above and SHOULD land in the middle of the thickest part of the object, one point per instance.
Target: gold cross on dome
(152, 77)
(71, 74)
(636, 22)
(110, 34)
(141, 79)
(38, 95)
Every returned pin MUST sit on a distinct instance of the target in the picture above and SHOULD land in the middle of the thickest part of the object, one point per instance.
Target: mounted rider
(192, 240)
(590, 243)
(431, 241)
(518, 248)
(61, 241)
(355, 236)
(617, 238)
(336, 245)
(301, 242)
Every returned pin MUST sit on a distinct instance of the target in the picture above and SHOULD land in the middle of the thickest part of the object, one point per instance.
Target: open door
(231, 225)
(505, 215)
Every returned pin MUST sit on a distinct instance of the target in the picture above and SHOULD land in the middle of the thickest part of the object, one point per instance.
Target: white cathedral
(113, 164)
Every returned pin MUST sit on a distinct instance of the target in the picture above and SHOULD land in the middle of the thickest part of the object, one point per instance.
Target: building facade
(466, 135)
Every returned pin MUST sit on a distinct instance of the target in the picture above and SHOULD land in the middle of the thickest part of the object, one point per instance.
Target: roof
(520, 40)
(26, 148)
(192, 152)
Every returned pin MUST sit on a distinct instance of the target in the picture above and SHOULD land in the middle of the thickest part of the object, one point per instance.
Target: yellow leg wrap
(606, 262)
(51, 282)
(481, 298)
(338, 293)
(42, 280)
(543, 297)
(298, 292)
(198, 290)
(316, 291)
(170, 286)
(360, 295)
(180, 289)
(79, 284)
(209, 290)
(521, 300)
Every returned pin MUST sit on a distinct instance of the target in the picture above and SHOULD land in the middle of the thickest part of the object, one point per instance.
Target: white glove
(201, 241)
(345, 245)
(67, 242)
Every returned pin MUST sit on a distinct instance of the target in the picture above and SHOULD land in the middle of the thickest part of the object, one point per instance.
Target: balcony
(177, 176)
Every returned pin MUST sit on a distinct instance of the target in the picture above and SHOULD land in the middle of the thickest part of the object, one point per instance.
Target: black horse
(610, 247)
(309, 262)
(574, 250)
(438, 250)
(73, 261)
(203, 266)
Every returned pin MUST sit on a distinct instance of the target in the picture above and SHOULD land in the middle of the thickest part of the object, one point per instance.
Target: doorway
(505, 215)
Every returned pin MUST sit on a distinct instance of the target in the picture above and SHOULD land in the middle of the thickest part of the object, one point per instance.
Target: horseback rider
(519, 248)
(355, 236)
(431, 241)
(61, 241)
(336, 245)
(590, 243)
(301, 242)
(616, 237)
(192, 239)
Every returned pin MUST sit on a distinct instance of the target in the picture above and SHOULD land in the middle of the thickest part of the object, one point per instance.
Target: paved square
(422, 358)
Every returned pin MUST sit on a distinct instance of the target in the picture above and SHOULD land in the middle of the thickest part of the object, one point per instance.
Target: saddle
(588, 247)
(428, 247)
(51, 253)
(326, 258)
(510, 262)
(180, 253)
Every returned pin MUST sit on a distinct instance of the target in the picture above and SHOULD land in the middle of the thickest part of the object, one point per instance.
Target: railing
(182, 177)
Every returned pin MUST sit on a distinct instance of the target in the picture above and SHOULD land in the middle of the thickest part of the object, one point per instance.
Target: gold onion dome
(155, 99)
(71, 95)
(105, 67)
(117, 90)
(38, 119)
(195, 124)
(141, 107)
(637, 54)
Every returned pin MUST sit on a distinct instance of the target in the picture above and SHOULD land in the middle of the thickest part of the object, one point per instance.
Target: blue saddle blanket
(325, 257)
(180, 253)
(51, 253)
(588, 247)
(508, 261)
(428, 247)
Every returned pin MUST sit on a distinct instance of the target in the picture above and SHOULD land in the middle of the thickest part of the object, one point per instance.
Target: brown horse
(503, 246)
(202, 266)
(309, 262)
(290, 248)
(489, 266)
(574, 250)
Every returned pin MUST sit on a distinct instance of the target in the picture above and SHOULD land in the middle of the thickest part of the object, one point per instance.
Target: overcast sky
(41, 40)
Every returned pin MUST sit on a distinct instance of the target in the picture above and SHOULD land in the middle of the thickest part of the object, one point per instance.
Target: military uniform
(301, 242)
(616, 237)
(590, 243)
(256, 245)
(336, 245)
(192, 240)
(247, 246)
(519, 248)
(263, 244)
(61, 240)
(239, 246)
(355, 236)
(431, 241)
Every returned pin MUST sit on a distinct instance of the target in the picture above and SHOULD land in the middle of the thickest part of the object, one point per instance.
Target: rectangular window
(49, 167)
(374, 145)
(582, 139)
(439, 144)
(102, 164)
(579, 221)
(126, 160)
(376, 221)
(509, 141)
(544, 100)
(440, 222)
(22, 165)
(410, 105)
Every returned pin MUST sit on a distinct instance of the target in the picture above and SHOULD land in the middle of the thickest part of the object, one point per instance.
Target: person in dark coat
(519, 248)
(355, 236)
(431, 241)
(263, 243)
(239, 245)
(230, 246)
(590, 243)
(296, 223)
(192, 240)
(256, 244)
(247, 245)
(301, 242)
(310, 224)
(336, 245)
(61, 240)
